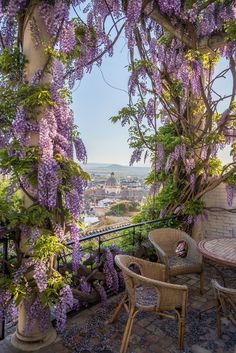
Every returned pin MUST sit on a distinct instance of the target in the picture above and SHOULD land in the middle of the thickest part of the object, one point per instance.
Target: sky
(95, 101)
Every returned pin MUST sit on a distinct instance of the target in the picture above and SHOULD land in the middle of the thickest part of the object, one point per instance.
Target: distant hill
(119, 170)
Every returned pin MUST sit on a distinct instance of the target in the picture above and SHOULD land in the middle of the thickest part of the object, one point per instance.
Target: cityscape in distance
(120, 170)
(113, 195)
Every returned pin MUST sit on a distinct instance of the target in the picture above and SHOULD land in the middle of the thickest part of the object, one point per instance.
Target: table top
(221, 250)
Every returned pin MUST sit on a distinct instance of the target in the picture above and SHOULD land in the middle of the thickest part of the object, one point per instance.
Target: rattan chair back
(226, 303)
(165, 241)
(147, 291)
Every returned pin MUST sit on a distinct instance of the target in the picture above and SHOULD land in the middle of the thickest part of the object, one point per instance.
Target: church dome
(111, 181)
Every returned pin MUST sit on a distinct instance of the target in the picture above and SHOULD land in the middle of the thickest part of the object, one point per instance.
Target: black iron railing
(133, 231)
(100, 234)
(98, 238)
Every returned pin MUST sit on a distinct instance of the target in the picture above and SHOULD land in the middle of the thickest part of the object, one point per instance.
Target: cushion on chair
(180, 265)
(147, 297)
(181, 249)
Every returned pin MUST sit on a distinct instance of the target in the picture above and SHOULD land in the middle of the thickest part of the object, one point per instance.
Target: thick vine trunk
(197, 231)
(36, 61)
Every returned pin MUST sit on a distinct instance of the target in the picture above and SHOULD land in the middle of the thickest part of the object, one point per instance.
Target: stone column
(36, 60)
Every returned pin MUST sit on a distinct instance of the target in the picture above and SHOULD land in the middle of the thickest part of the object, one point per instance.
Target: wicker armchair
(165, 241)
(226, 304)
(147, 292)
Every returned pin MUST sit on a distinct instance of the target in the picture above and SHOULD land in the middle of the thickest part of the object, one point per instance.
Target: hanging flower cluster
(103, 279)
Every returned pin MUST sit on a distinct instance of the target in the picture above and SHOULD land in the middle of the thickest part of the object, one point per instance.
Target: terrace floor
(87, 332)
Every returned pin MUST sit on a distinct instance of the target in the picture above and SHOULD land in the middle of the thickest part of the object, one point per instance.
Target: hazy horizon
(139, 165)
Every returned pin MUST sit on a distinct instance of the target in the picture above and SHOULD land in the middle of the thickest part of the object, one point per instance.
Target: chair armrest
(162, 256)
(193, 253)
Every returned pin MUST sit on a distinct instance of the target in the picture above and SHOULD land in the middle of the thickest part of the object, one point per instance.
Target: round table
(221, 250)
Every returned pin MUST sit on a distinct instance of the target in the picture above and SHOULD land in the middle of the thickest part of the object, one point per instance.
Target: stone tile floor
(87, 331)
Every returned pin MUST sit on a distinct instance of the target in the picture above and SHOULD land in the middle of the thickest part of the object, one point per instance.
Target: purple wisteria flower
(112, 280)
(170, 7)
(65, 303)
(19, 126)
(80, 150)
(102, 293)
(41, 275)
(76, 252)
(231, 192)
(35, 312)
(67, 38)
(136, 156)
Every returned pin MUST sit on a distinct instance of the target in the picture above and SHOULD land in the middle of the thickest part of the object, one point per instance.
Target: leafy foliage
(46, 246)
(121, 208)
(10, 206)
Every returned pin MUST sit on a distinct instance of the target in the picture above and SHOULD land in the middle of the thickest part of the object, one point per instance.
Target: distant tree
(122, 208)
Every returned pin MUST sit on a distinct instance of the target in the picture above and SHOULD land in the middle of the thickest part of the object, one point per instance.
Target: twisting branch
(1, 40)
(101, 54)
(216, 182)
(164, 21)
(112, 17)
(205, 44)
(78, 15)
(233, 71)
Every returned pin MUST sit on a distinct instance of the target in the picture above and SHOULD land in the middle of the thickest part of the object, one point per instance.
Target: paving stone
(134, 349)
(192, 282)
(202, 299)
(55, 348)
(155, 348)
(152, 338)
(199, 349)
(166, 342)
(174, 349)
(139, 330)
(149, 333)
(135, 339)
(145, 322)
(196, 305)
(153, 328)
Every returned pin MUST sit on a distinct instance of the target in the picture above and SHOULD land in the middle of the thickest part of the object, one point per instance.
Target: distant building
(112, 186)
(88, 220)
(133, 194)
(105, 202)
(102, 192)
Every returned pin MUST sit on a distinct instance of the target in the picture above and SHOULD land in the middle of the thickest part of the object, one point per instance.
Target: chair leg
(127, 332)
(201, 282)
(181, 333)
(218, 321)
(118, 309)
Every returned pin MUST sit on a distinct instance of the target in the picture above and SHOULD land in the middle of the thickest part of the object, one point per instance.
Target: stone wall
(220, 223)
